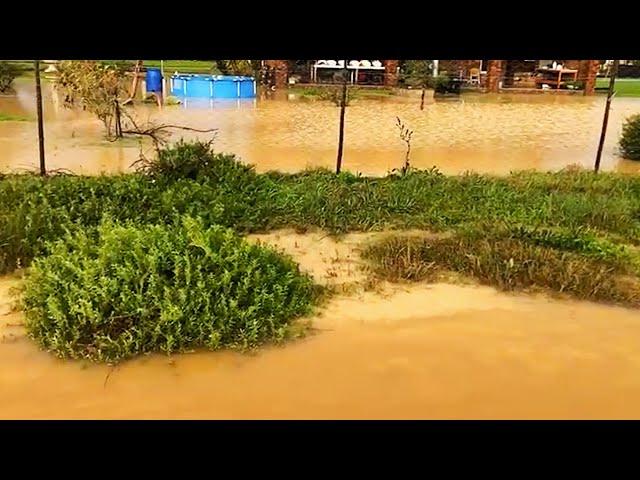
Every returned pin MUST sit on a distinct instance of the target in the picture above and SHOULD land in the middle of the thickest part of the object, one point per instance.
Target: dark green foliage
(196, 161)
(443, 84)
(8, 73)
(122, 290)
(417, 73)
(238, 67)
(630, 139)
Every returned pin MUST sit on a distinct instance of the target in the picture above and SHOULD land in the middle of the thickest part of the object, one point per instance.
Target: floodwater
(485, 133)
(390, 352)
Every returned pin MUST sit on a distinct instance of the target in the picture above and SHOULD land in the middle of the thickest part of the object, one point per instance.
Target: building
(497, 75)
(488, 75)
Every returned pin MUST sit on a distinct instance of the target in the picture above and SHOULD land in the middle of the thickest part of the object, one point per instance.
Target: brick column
(494, 74)
(390, 73)
(587, 72)
(281, 68)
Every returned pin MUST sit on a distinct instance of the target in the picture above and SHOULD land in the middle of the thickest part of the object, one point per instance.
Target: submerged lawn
(6, 117)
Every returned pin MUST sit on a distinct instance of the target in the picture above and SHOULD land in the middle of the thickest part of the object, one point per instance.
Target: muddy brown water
(421, 351)
(485, 133)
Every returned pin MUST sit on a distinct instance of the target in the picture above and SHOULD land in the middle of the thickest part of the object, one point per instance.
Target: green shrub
(123, 290)
(443, 84)
(8, 73)
(417, 73)
(35, 210)
(630, 139)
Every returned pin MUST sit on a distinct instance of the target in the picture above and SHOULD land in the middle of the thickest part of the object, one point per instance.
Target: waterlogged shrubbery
(8, 73)
(120, 291)
(196, 161)
(630, 139)
(191, 179)
(518, 260)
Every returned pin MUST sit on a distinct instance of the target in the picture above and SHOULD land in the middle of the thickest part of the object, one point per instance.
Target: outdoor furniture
(555, 77)
(474, 76)
(352, 67)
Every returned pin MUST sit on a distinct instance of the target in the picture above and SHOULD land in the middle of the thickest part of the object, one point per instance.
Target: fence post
(605, 120)
(43, 170)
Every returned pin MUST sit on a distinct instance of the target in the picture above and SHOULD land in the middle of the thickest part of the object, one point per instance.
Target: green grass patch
(334, 92)
(6, 117)
(120, 291)
(184, 66)
(511, 262)
(171, 66)
(624, 87)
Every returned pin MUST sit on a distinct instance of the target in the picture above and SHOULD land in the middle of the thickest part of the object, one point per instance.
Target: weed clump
(512, 262)
(123, 290)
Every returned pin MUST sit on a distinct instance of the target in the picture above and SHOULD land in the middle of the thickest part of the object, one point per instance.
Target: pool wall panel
(218, 86)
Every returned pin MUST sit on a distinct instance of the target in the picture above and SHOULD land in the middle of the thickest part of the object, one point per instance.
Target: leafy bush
(630, 139)
(196, 161)
(417, 73)
(123, 290)
(35, 210)
(443, 84)
(238, 67)
(8, 73)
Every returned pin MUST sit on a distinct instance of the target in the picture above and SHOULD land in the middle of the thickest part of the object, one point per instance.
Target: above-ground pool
(213, 86)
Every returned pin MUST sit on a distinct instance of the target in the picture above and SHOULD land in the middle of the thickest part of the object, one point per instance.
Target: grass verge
(510, 262)
(6, 117)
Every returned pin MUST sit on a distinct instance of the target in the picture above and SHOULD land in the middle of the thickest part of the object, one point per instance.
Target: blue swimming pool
(213, 86)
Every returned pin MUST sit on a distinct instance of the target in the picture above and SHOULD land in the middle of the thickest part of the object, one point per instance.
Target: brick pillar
(494, 74)
(390, 73)
(281, 68)
(587, 72)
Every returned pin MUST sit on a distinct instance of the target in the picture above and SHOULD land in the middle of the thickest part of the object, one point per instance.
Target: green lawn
(184, 66)
(6, 117)
(181, 66)
(625, 87)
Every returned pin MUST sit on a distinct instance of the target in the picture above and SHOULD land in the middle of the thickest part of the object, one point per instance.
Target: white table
(353, 69)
